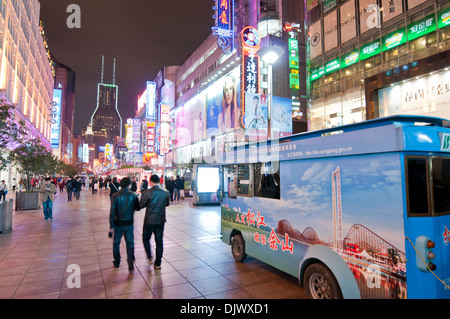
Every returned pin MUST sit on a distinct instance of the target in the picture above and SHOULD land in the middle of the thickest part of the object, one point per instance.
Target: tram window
(244, 180)
(441, 184)
(230, 181)
(267, 180)
(417, 186)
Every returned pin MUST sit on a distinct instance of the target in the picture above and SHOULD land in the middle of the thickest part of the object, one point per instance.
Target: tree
(67, 170)
(34, 159)
(12, 132)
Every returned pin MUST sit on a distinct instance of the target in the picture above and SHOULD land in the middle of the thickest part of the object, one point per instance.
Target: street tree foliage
(35, 160)
(12, 132)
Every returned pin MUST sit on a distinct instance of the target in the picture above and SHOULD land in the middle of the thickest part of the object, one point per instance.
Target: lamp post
(270, 55)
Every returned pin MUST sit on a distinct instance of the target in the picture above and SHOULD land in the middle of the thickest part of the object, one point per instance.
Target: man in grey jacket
(155, 200)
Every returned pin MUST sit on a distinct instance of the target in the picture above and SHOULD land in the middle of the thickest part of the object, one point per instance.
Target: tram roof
(388, 134)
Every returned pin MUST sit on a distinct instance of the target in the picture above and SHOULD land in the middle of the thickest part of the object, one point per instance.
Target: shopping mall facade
(193, 112)
(371, 59)
(361, 59)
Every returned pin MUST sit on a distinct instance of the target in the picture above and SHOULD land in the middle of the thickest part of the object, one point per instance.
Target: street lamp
(270, 55)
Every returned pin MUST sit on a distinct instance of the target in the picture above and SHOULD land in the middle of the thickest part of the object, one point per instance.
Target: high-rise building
(62, 141)
(106, 117)
(26, 73)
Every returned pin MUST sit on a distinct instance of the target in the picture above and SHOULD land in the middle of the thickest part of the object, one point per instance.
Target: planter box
(6, 211)
(28, 200)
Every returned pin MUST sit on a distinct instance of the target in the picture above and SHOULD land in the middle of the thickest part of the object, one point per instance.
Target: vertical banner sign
(151, 97)
(224, 28)
(294, 76)
(151, 138)
(164, 129)
(56, 118)
(250, 40)
(250, 65)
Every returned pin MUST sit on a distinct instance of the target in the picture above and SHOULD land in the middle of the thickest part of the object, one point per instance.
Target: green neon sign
(349, 59)
(421, 27)
(394, 39)
(317, 73)
(444, 18)
(332, 66)
(370, 49)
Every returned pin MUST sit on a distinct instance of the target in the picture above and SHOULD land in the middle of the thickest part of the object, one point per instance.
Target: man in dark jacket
(155, 200)
(121, 218)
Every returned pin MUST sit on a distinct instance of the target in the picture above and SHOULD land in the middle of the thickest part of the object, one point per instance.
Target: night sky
(143, 36)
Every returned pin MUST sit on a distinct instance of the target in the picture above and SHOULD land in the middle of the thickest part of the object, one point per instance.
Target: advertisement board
(444, 18)
(281, 117)
(56, 118)
(223, 107)
(394, 39)
(151, 100)
(429, 95)
(421, 27)
(256, 116)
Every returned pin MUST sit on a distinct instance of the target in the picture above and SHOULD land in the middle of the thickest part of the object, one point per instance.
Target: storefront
(338, 109)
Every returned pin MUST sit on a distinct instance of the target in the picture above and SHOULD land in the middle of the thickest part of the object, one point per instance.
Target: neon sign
(250, 60)
(224, 28)
(56, 118)
(151, 138)
(151, 97)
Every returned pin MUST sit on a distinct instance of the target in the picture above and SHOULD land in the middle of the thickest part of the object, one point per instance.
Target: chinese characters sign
(250, 63)
(151, 137)
(271, 240)
(421, 27)
(429, 95)
(224, 28)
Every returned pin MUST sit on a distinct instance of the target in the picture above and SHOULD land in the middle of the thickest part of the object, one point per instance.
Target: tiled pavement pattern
(196, 264)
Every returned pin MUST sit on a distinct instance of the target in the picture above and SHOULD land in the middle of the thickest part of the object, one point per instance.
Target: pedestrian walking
(3, 191)
(144, 185)
(114, 187)
(182, 187)
(155, 200)
(121, 218)
(69, 187)
(170, 185)
(178, 187)
(14, 184)
(95, 187)
(47, 190)
(133, 184)
(77, 187)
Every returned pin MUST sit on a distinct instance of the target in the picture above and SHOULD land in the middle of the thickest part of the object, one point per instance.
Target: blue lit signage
(224, 28)
(56, 118)
(151, 100)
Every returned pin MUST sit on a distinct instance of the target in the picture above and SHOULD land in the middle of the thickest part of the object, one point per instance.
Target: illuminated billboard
(224, 27)
(56, 118)
(223, 112)
(250, 60)
(151, 100)
(256, 116)
(281, 117)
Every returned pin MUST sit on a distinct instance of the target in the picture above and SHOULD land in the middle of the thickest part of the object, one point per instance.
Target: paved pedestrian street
(36, 257)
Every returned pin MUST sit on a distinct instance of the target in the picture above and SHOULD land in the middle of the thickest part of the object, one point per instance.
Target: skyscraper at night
(106, 117)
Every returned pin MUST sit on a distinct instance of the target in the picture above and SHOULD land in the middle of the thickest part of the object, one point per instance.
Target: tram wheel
(320, 283)
(238, 248)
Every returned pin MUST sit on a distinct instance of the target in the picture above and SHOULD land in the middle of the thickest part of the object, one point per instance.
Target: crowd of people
(126, 198)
